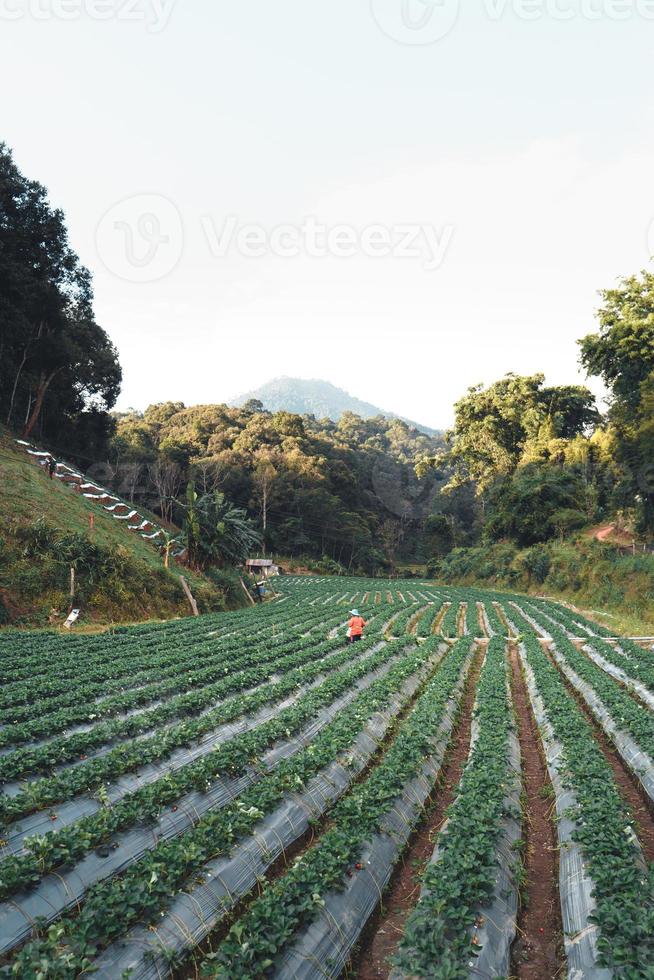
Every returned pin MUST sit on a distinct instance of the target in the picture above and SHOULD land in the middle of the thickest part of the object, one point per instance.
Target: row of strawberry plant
(300, 669)
(518, 621)
(234, 674)
(317, 777)
(459, 884)
(472, 626)
(269, 682)
(450, 624)
(211, 667)
(426, 622)
(635, 662)
(98, 683)
(137, 661)
(627, 714)
(37, 653)
(260, 935)
(111, 907)
(623, 893)
(496, 625)
(134, 662)
(566, 617)
(145, 804)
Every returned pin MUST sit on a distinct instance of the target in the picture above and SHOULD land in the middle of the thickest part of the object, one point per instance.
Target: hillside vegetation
(45, 529)
(616, 586)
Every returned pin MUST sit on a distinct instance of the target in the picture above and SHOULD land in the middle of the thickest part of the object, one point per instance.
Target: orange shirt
(356, 625)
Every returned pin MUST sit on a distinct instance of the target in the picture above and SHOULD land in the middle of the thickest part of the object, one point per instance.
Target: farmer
(52, 466)
(355, 626)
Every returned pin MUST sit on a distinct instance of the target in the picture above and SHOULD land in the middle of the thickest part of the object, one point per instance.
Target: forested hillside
(346, 491)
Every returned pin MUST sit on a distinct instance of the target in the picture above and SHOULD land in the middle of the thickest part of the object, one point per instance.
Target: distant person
(356, 626)
(52, 466)
(261, 591)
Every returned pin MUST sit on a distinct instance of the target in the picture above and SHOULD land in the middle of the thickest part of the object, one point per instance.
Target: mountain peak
(314, 396)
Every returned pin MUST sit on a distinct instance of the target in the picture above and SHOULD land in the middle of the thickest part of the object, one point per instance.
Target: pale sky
(507, 145)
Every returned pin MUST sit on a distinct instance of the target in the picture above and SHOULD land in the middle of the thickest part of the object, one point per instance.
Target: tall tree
(622, 354)
(50, 345)
(494, 425)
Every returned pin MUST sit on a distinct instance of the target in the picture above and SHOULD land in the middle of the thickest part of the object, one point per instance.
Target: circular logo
(416, 21)
(141, 238)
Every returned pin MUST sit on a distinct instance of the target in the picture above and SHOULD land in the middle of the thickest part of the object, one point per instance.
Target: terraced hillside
(466, 792)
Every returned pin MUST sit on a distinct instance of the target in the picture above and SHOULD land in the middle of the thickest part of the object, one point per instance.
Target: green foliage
(438, 936)
(586, 571)
(494, 426)
(535, 504)
(216, 532)
(53, 351)
(342, 491)
(622, 354)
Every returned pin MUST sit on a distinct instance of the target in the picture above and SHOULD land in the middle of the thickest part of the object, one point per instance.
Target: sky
(403, 197)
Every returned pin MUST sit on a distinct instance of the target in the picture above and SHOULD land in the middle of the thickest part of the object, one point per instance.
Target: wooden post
(247, 591)
(72, 585)
(189, 596)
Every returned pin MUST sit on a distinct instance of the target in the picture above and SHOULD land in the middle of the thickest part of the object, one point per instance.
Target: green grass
(32, 587)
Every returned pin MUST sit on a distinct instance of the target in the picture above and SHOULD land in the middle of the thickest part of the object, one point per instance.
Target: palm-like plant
(217, 532)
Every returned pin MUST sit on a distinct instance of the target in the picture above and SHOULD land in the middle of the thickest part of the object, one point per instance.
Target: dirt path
(383, 933)
(538, 949)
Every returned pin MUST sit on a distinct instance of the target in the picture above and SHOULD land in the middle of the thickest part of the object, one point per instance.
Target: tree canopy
(59, 371)
(622, 354)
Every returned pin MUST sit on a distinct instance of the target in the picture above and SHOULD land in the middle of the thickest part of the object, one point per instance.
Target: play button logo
(416, 22)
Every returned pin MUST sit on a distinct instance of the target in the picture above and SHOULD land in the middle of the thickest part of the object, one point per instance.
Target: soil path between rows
(383, 933)
(537, 952)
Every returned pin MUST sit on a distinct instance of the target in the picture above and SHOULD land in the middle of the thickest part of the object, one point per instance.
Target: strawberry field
(467, 792)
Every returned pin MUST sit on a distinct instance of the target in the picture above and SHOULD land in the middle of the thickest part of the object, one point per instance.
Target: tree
(50, 346)
(534, 504)
(216, 532)
(167, 479)
(253, 405)
(439, 535)
(263, 477)
(493, 426)
(622, 354)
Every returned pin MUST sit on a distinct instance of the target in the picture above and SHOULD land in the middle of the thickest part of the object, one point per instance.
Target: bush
(109, 580)
(585, 570)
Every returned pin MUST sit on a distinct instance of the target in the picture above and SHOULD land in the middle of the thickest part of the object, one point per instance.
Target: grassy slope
(613, 587)
(27, 495)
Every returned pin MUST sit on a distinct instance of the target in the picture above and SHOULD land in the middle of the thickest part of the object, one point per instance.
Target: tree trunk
(265, 517)
(16, 380)
(44, 384)
(189, 595)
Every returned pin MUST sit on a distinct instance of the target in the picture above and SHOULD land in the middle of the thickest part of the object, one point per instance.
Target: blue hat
(354, 612)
